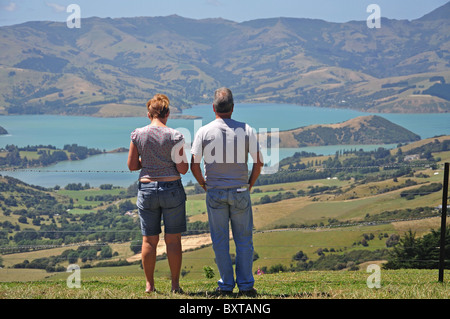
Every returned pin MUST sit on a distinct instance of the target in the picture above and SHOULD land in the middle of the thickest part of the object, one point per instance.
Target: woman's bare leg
(149, 245)
(174, 256)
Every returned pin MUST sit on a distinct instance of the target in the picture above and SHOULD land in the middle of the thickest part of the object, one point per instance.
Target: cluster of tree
(395, 84)
(34, 202)
(47, 155)
(77, 186)
(421, 191)
(419, 252)
(83, 254)
(363, 162)
(45, 63)
(334, 261)
(80, 152)
(399, 214)
(426, 149)
(365, 240)
(284, 176)
(275, 198)
(108, 225)
(441, 90)
(386, 189)
(102, 198)
(197, 227)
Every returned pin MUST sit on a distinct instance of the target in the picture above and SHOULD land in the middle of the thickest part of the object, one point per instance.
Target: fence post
(443, 223)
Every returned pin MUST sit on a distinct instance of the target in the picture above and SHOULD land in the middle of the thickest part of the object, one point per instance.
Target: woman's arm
(134, 161)
(183, 165)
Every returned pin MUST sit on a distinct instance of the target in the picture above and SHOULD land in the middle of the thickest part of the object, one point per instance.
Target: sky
(19, 11)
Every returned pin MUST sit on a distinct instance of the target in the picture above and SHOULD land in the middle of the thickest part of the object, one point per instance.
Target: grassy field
(79, 196)
(394, 284)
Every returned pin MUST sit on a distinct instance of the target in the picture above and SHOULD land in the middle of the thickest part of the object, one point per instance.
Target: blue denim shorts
(165, 201)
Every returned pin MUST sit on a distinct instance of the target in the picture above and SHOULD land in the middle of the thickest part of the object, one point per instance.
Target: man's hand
(197, 171)
(258, 164)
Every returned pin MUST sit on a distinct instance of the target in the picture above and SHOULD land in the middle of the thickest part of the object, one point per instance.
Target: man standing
(224, 145)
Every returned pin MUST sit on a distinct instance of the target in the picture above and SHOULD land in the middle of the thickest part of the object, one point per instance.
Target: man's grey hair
(223, 100)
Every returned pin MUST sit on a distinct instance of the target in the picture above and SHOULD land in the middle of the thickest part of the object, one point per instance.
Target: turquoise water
(111, 133)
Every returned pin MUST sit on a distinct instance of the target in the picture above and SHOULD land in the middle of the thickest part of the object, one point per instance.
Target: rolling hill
(371, 129)
(110, 67)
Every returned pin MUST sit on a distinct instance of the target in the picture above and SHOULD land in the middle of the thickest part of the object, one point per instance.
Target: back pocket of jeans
(172, 198)
(241, 200)
(146, 199)
(216, 199)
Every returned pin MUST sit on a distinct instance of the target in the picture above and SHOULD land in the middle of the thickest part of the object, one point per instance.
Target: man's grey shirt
(224, 145)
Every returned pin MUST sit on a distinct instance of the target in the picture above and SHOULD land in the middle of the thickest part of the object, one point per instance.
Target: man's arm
(197, 171)
(258, 163)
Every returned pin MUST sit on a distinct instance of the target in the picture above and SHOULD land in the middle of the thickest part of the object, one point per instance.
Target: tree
(126, 205)
(106, 252)
(136, 246)
(419, 253)
(23, 220)
(300, 256)
(392, 240)
(265, 199)
(72, 257)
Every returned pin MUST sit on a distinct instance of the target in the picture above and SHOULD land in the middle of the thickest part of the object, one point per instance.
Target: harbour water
(112, 133)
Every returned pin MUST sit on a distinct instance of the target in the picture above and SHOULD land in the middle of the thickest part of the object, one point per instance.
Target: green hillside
(362, 130)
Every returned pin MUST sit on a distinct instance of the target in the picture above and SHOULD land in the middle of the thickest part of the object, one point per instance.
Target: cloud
(12, 6)
(56, 7)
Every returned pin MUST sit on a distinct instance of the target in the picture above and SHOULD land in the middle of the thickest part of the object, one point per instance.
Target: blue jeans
(225, 205)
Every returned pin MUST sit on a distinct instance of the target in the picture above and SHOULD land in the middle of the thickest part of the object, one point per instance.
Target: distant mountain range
(111, 67)
(363, 130)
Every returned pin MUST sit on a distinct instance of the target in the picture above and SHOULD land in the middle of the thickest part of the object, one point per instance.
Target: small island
(3, 131)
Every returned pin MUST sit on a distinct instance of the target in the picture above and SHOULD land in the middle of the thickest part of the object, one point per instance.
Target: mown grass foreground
(394, 284)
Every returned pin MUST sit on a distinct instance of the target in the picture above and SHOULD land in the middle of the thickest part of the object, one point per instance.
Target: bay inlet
(108, 134)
